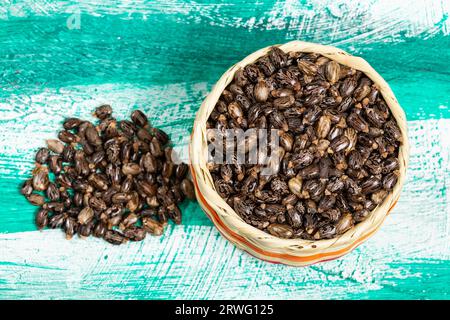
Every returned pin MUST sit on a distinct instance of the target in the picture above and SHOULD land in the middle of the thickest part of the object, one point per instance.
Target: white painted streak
(343, 21)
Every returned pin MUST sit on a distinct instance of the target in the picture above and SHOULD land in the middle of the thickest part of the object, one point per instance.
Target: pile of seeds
(338, 145)
(115, 180)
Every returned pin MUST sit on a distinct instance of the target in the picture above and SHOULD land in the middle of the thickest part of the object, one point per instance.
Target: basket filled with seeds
(299, 153)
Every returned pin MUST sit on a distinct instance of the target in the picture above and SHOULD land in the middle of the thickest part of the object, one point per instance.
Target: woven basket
(296, 252)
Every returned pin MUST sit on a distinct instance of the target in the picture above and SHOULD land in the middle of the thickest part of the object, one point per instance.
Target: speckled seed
(327, 231)
(131, 168)
(42, 219)
(379, 196)
(67, 137)
(280, 230)
(344, 224)
(390, 180)
(332, 71)
(42, 155)
(295, 186)
(85, 215)
(284, 102)
(139, 118)
(323, 126)
(152, 226)
(55, 145)
(114, 237)
(340, 143)
(103, 111)
(357, 122)
(261, 91)
(36, 199)
(40, 178)
(92, 136)
(72, 123)
(187, 188)
(27, 187)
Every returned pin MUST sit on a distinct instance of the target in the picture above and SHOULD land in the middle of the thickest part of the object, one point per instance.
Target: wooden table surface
(60, 59)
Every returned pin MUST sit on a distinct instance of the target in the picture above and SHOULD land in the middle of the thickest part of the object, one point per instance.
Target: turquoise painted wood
(61, 59)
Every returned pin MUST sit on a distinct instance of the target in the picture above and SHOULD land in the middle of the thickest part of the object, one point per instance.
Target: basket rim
(295, 247)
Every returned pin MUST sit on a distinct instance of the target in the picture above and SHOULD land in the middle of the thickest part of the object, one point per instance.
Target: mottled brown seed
(302, 159)
(139, 118)
(332, 71)
(156, 148)
(323, 126)
(284, 102)
(347, 87)
(152, 226)
(167, 169)
(135, 233)
(134, 203)
(40, 178)
(99, 230)
(357, 122)
(67, 137)
(72, 123)
(390, 180)
(55, 145)
(27, 187)
(114, 237)
(307, 67)
(286, 140)
(326, 203)
(332, 215)
(379, 196)
(326, 231)
(280, 230)
(103, 111)
(345, 223)
(55, 164)
(295, 186)
(120, 197)
(314, 188)
(340, 143)
(261, 91)
(392, 129)
(70, 227)
(36, 199)
(278, 57)
(52, 192)
(294, 218)
(187, 188)
(42, 155)
(68, 153)
(310, 172)
(148, 188)
(85, 215)
(131, 169)
(42, 219)
(128, 128)
(361, 215)
(92, 136)
(97, 204)
(56, 221)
